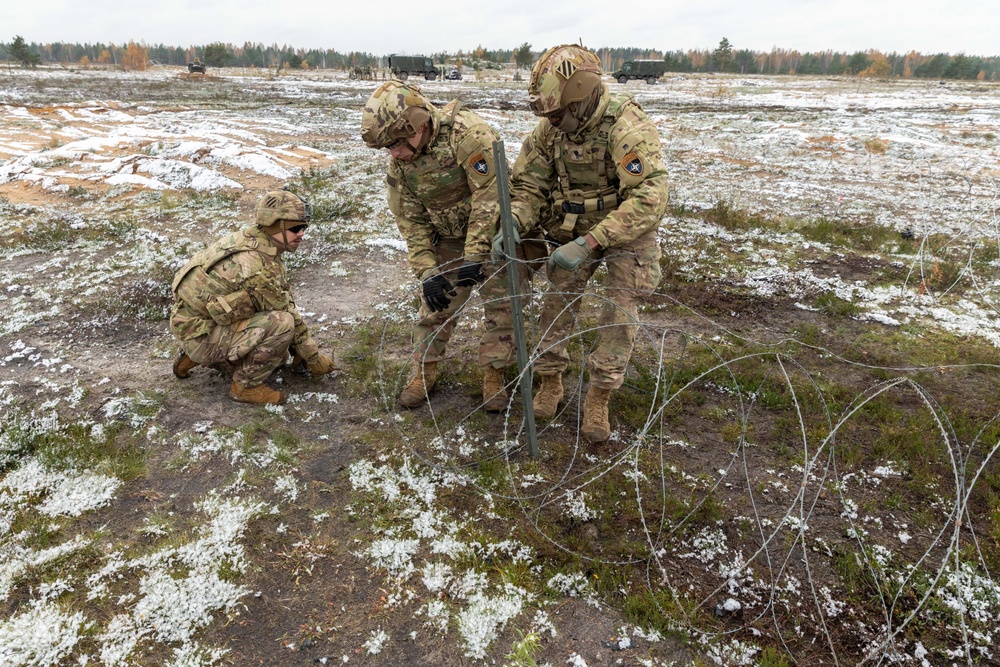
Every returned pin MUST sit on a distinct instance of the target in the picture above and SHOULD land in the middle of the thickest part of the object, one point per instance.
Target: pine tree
(19, 51)
(216, 55)
(522, 56)
(723, 56)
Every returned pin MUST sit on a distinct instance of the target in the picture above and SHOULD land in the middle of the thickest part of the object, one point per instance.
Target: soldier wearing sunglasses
(233, 307)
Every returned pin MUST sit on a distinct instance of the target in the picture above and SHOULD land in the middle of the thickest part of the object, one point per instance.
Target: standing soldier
(442, 190)
(233, 305)
(591, 175)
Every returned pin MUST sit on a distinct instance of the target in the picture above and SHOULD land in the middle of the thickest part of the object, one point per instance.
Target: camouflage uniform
(606, 179)
(446, 208)
(233, 305)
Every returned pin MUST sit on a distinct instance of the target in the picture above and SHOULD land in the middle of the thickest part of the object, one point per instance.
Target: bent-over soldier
(591, 175)
(441, 187)
(233, 306)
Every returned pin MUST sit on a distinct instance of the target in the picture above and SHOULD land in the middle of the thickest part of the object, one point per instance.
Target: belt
(596, 204)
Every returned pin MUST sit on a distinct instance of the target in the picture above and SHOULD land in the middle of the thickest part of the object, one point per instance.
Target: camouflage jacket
(607, 179)
(449, 190)
(231, 280)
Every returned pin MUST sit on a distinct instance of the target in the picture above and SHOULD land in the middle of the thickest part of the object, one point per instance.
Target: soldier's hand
(470, 273)
(437, 289)
(321, 364)
(570, 255)
(498, 252)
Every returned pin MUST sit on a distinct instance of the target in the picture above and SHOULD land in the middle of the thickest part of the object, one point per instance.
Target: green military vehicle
(403, 66)
(650, 70)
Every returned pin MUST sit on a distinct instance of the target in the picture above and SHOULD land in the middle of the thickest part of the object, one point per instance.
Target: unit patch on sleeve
(632, 163)
(479, 164)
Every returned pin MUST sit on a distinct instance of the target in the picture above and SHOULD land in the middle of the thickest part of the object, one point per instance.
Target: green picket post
(510, 250)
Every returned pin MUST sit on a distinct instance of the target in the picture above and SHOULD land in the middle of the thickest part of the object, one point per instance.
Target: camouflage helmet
(395, 111)
(563, 74)
(282, 205)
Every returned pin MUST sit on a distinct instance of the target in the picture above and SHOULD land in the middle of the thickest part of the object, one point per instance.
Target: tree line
(724, 58)
(215, 55)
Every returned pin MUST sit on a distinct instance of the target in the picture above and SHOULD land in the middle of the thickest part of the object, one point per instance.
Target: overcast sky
(388, 26)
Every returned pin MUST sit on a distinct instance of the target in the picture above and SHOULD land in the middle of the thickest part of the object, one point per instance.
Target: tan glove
(320, 365)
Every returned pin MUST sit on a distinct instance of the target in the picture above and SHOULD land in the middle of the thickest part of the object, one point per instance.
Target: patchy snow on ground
(109, 189)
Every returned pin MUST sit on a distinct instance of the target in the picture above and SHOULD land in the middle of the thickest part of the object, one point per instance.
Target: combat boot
(183, 366)
(549, 395)
(421, 381)
(494, 391)
(595, 415)
(259, 395)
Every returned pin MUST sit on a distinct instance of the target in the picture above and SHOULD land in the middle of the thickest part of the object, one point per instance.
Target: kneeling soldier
(233, 304)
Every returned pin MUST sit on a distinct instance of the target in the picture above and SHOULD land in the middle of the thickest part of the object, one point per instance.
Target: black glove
(435, 288)
(470, 273)
(299, 364)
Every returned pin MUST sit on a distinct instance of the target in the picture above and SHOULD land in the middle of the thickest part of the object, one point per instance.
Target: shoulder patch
(633, 164)
(479, 164)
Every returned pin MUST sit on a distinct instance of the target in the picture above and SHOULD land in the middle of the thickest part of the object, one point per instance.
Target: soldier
(442, 190)
(233, 306)
(591, 175)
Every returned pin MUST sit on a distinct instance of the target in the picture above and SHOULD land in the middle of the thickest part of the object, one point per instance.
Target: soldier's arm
(474, 150)
(414, 225)
(302, 340)
(644, 185)
(264, 280)
(532, 178)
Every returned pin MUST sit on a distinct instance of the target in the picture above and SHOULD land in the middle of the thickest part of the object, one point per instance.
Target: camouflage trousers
(633, 272)
(253, 347)
(433, 330)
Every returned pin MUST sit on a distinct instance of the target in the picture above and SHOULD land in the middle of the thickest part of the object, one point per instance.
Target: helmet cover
(395, 111)
(562, 75)
(282, 205)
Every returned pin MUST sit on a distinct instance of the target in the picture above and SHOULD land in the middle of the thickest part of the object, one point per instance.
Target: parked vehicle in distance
(403, 66)
(453, 75)
(650, 70)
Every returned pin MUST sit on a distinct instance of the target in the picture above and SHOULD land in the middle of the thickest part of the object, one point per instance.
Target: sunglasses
(297, 229)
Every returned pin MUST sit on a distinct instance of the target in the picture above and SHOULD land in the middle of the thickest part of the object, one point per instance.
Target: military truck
(650, 70)
(403, 66)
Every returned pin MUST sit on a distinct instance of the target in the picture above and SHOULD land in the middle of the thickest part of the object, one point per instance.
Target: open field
(803, 468)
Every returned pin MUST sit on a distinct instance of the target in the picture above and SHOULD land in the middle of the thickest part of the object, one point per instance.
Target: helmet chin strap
(282, 242)
(578, 113)
(424, 132)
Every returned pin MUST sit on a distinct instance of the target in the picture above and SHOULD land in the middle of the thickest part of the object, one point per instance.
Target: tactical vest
(588, 182)
(439, 181)
(202, 299)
